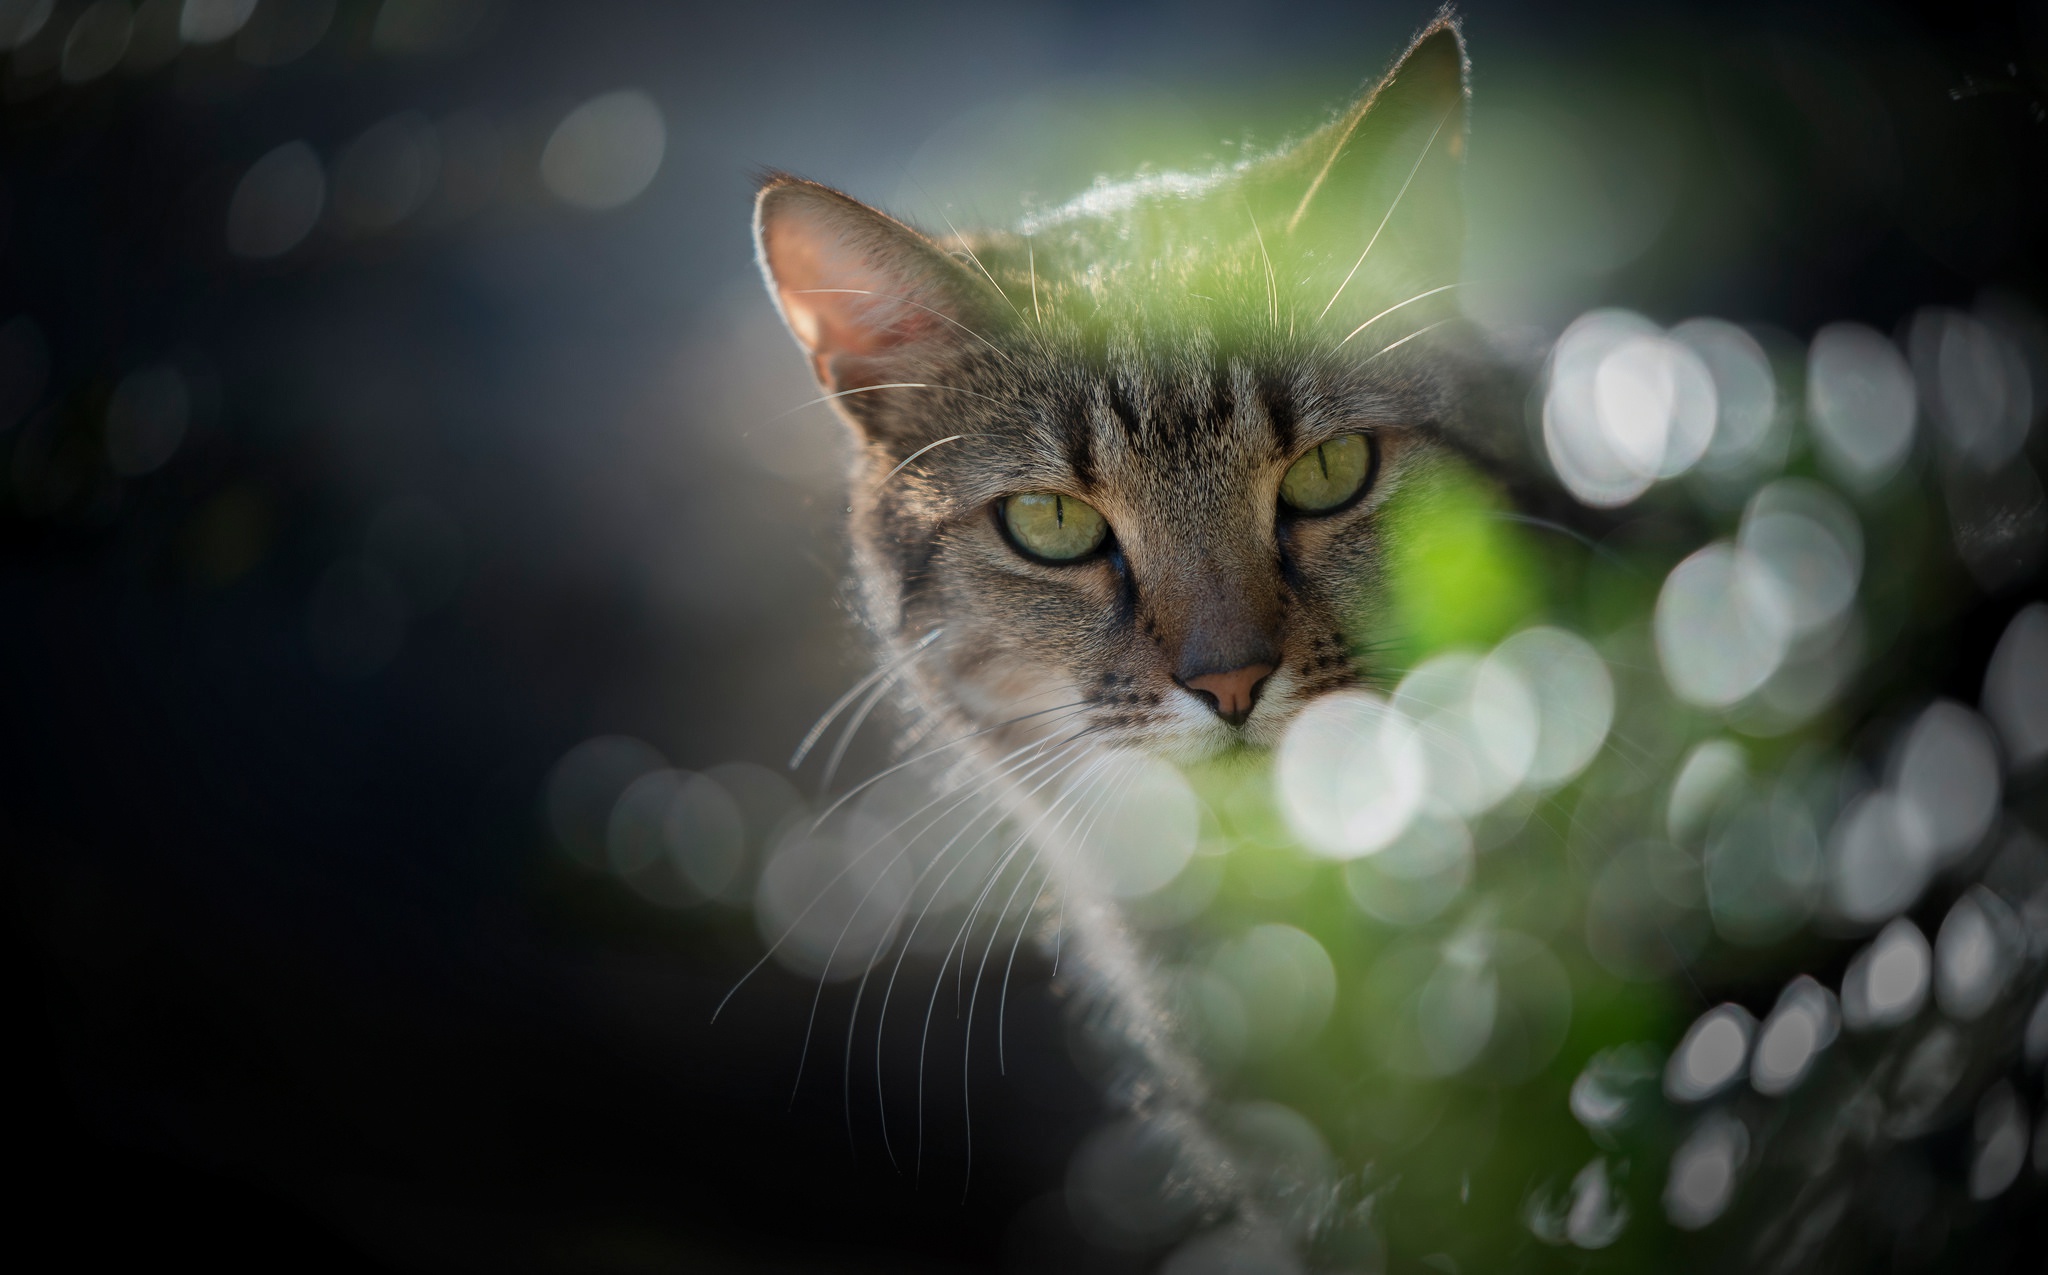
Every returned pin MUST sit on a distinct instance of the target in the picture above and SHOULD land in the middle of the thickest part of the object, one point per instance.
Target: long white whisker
(1094, 808)
(1386, 349)
(921, 451)
(955, 742)
(941, 314)
(889, 988)
(1390, 309)
(870, 389)
(1584, 540)
(1003, 1004)
(1398, 196)
(755, 968)
(1272, 282)
(1031, 258)
(1127, 777)
(890, 669)
(817, 997)
(961, 239)
(1092, 811)
(1059, 934)
(1008, 856)
(984, 784)
(853, 725)
(975, 912)
(967, 1036)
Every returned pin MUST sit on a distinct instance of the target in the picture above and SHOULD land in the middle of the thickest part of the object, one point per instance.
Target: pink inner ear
(844, 308)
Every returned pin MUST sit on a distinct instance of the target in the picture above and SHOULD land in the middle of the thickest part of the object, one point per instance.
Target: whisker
(892, 385)
(1398, 196)
(1003, 1004)
(853, 725)
(955, 742)
(965, 247)
(1031, 258)
(755, 968)
(931, 1003)
(867, 972)
(1096, 809)
(824, 723)
(1002, 863)
(1272, 282)
(919, 452)
(1128, 777)
(1091, 805)
(1387, 349)
(818, 996)
(960, 970)
(1420, 296)
(1530, 520)
(1059, 933)
(889, 988)
(889, 296)
(967, 1035)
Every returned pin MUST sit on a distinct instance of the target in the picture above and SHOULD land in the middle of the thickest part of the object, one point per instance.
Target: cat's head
(1128, 467)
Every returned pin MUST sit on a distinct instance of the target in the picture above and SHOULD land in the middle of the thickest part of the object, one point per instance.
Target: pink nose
(1232, 694)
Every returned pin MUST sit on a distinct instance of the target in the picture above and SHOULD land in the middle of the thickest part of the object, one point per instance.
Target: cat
(1200, 470)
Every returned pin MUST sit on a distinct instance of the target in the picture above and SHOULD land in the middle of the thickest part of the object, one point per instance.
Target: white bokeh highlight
(2001, 1142)
(1804, 1022)
(606, 151)
(1886, 982)
(1625, 406)
(1478, 725)
(1141, 828)
(1351, 774)
(2016, 687)
(1748, 437)
(1574, 698)
(1704, 1171)
(1722, 626)
(1976, 952)
(1712, 1056)
(1860, 401)
(1974, 384)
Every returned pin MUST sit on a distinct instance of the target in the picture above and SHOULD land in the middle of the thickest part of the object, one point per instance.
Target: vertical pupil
(1059, 513)
(1324, 461)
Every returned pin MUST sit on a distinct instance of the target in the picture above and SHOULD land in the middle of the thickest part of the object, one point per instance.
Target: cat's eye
(1056, 528)
(1329, 476)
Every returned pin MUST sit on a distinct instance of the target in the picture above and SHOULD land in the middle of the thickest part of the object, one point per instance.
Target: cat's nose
(1233, 693)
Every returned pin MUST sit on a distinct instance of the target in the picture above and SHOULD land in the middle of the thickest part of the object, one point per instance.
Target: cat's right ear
(871, 301)
(1370, 208)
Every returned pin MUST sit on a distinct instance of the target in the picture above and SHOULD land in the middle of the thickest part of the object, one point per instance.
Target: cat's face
(1128, 475)
(1173, 588)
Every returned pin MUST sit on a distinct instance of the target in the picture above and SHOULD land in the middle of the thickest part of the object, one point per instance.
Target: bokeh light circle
(1350, 774)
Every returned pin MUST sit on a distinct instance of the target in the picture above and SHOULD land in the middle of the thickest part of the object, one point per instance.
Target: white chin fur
(1196, 734)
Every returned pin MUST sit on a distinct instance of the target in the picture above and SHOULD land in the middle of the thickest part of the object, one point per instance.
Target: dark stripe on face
(1077, 442)
(1280, 411)
(1222, 399)
(1120, 407)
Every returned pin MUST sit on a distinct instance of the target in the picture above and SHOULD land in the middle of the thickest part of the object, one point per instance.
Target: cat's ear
(1372, 202)
(871, 301)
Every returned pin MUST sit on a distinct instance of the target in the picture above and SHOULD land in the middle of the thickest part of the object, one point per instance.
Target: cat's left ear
(871, 301)
(1372, 204)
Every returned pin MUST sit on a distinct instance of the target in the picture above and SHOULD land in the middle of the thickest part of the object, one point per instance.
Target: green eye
(1328, 476)
(1051, 526)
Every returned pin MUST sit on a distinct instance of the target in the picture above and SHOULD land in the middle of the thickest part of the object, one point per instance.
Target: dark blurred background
(388, 404)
